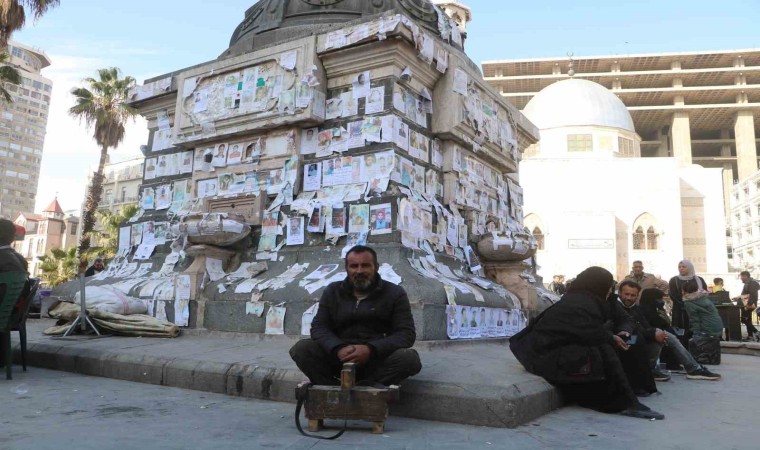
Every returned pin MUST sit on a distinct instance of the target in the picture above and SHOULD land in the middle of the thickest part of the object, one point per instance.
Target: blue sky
(149, 38)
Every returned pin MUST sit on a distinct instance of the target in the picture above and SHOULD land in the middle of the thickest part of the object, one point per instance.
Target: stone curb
(482, 405)
(740, 348)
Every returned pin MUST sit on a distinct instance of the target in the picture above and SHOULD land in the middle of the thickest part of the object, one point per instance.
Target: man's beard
(362, 284)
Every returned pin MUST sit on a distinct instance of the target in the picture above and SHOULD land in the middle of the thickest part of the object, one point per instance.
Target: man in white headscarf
(675, 287)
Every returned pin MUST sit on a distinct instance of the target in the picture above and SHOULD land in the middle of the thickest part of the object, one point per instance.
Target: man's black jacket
(643, 327)
(383, 320)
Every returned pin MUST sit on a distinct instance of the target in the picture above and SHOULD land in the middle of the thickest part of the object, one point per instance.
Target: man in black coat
(364, 320)
(749, 295)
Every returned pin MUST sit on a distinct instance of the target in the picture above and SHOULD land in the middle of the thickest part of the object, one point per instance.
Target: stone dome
(271, 22)
(577, 102)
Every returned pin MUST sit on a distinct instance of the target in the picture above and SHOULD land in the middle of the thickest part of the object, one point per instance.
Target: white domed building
(590, 199)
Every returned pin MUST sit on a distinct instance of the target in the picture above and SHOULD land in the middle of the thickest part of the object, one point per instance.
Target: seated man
(10, 259)
(96, 267)
(658, 332)
(363, 320)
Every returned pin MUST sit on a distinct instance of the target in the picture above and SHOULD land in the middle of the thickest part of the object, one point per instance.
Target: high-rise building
(22, 130)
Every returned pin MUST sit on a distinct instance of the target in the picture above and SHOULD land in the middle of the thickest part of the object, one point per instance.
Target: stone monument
(327, 124)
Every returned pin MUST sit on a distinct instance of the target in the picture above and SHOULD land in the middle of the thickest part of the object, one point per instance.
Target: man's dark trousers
(324, 369)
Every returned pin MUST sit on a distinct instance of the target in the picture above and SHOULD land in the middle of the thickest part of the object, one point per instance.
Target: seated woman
(703, 315)
(573, 346)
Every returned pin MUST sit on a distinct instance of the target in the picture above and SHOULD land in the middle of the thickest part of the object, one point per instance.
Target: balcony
(117, 202)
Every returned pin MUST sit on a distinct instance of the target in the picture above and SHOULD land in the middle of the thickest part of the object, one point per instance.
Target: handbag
(747, 305)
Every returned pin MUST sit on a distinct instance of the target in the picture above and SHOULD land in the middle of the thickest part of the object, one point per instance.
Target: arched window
(536, 227)
(649, 239)
(639, 239)
(539, 236)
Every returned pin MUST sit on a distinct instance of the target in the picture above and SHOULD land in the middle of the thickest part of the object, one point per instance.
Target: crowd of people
(605, 344)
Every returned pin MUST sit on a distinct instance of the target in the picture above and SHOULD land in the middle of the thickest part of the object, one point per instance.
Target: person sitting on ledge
(652, 308)
(363, 320)
(703, 316)
(10, 259)
(573, 346)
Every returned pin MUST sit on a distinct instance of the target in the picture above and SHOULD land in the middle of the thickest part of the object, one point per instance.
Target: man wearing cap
(645, 280)
(95, 268)
(10, 259)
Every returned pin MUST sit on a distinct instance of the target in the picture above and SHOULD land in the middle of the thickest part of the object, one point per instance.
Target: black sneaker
(660, 375)
(702, 374)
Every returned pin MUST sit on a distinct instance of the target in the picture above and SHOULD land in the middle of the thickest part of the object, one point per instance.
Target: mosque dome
(271, 22)
(577, 102)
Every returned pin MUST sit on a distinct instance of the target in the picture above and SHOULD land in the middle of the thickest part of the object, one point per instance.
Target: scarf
(691, 275)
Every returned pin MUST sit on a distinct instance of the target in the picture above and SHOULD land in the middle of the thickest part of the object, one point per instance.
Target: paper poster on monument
(337, 224)
(452, 323)
(202, 160)
(461, 80)
(322, 271)
(275, 323)
(144, 252)
(463, 236)
(349, 105)
(270, 221)
(289, 59)
(148, 201)
(304, 96)
(312, 176)
(136, 234)
(161, 140)
(220, 156)
(161, 166)
(207, 188)
(295, 231)
(307, 318)
(334, 108)
(252, 152)
(316, 220)
(163, 197)
(463, 321)
(375, 101)
(186, 162)
(501, 322)
(150, 168)
(474, 325)
(337, 171)
(215, 269)
(362, 85)
(309, 141)
(125, 241)
(380, 219)
(358, 219)
(373, 129)
(437, 154)
(355, 134)
(255, 308)
(287, 102)
(235, 155)
(442, 60)
(401, 134)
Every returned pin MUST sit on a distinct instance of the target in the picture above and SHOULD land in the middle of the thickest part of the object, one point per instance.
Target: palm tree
(59, 266)
(102, 105)
(8, 74)
(106, 241)
(13, 14)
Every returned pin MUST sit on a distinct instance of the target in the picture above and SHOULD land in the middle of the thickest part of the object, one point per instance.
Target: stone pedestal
(508, 274)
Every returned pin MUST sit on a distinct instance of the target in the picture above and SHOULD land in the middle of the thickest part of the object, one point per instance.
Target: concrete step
(477, 383)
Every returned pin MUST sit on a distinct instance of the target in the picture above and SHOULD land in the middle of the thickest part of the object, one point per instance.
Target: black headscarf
(595, 280)
(651, 298)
